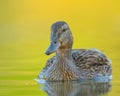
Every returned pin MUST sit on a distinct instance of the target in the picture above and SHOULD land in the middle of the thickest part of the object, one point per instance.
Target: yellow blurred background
(24, 36)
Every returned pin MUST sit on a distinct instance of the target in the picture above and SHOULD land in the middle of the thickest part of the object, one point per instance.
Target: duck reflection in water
(76, 88)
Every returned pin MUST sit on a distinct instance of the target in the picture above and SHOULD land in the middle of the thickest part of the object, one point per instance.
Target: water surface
(24, 37)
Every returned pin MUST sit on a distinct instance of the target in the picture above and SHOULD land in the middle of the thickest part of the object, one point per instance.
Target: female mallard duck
(71, 64)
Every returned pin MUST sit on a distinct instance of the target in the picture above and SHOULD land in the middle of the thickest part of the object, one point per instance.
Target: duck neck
(63, 54)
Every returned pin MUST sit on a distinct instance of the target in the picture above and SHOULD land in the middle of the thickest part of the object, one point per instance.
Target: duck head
(60, 37)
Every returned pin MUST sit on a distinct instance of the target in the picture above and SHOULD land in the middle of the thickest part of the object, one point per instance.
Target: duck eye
(64, 30)
(55, 42)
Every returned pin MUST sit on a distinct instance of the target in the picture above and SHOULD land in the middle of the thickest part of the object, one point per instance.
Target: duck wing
(91, 62)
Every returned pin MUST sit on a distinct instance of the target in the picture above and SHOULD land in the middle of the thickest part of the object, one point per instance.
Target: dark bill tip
(47, 53)
(51, 49)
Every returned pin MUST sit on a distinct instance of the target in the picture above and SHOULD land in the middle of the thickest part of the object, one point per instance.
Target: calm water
(17, 74)
(21, 62)
(24, 36)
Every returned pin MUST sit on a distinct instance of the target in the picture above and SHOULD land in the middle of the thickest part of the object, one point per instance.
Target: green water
(24, 37)
(20, 64)
(22, 58)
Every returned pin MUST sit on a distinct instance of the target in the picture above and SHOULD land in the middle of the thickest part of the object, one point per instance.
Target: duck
(72, 64)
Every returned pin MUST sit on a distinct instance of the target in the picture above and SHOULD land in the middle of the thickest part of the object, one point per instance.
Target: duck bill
(52, 48)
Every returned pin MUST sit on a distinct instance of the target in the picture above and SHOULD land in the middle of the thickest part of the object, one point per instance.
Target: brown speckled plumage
(72, 64)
